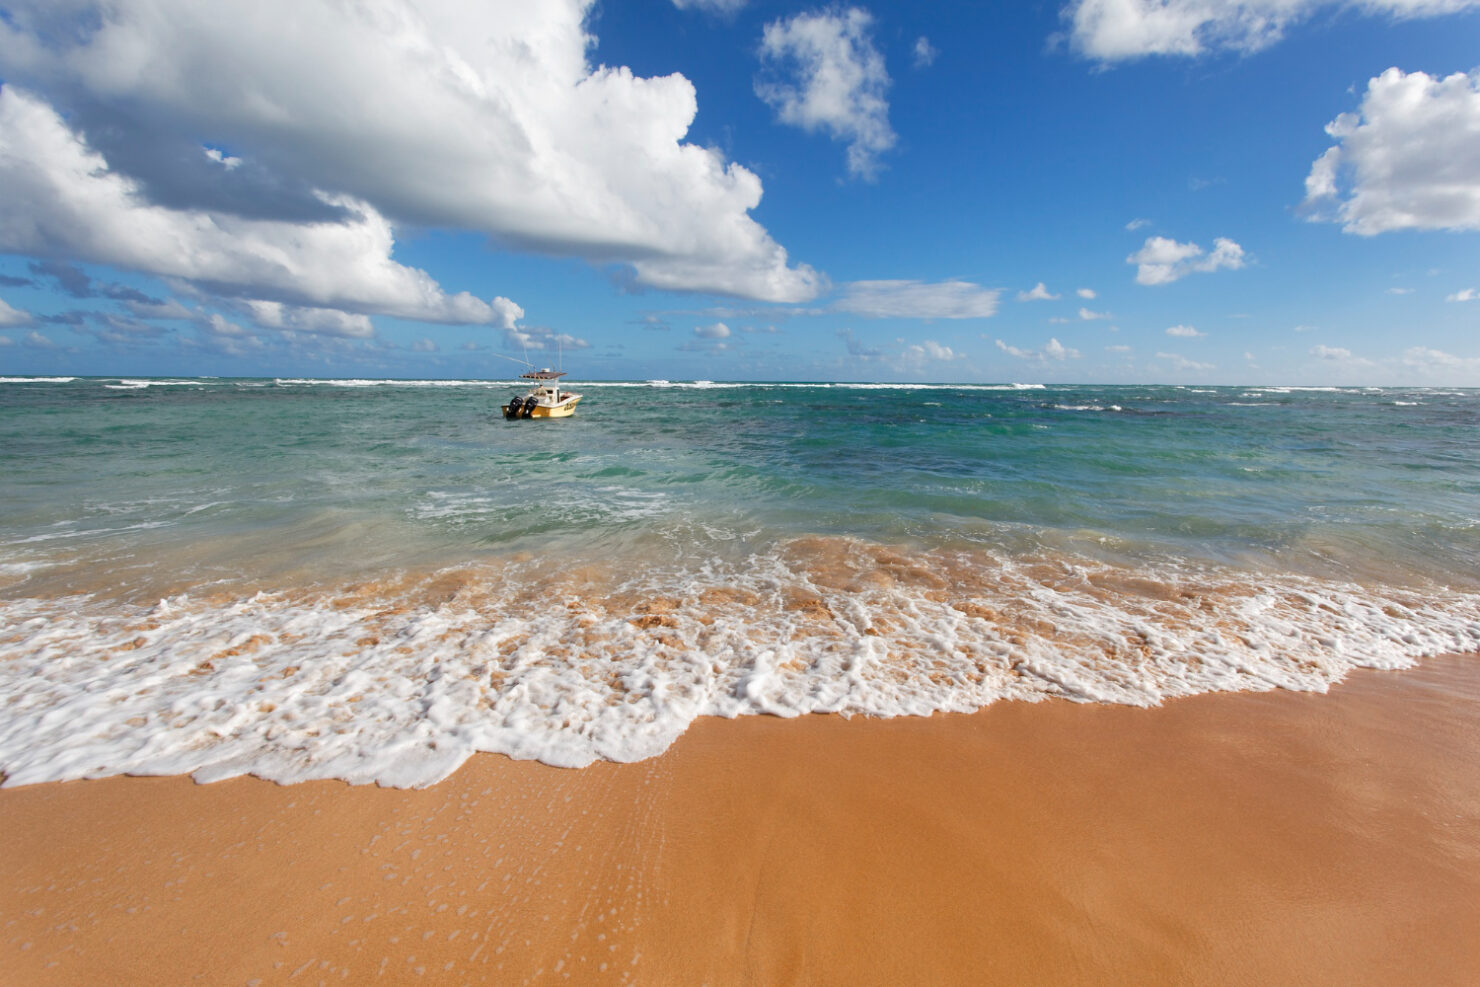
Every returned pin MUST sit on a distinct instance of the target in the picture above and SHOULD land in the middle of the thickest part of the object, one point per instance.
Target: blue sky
(1185, 191)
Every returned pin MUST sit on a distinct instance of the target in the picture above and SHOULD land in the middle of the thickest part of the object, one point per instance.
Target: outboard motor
(514, 404)
(529, 404)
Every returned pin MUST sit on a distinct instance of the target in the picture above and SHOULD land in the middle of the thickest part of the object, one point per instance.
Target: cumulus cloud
(13, 317)
(1056, 350)
(541, 338)
(61, 199)
(1089, 316)
(1113, 30)
(1408, 158)
(918, 300)
(1464, 295)
(1052, 350)
(1040, 293)
(506, 313)
(824, 73)
(1323, 352)
(484, 117)
(1186, 332)
(1162, 260)
(1085, 293)
(296, 318)
(717, 331)
(34, 338)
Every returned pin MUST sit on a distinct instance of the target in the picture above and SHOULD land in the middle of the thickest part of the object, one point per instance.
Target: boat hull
(564, 409)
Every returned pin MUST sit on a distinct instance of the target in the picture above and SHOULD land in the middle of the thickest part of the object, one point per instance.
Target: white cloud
(1330, 352)
(929, 350)
(918, 300)
(1464, 295)
(1119, 348)
(1440, 366)
(837, 81)
(1162, 260)
(1408, 158)
(1040, 293)
(483, 117)
(34, 338)
(1180, 362)
(61, 199)
(506, 313)
(425, 345)
(1111, 30)
(325, 321)
(1186, 332)
(1085, 293)
(1056, 350)
(1090, 316)
(542, 338)
(1052, 350)
(226, 161)
(6, 341)
(13, 317)
(1400, 291)
(219, 334)
(1137, 224)
(710, 6)
(925, 53)
(717, 331)
(169, 309)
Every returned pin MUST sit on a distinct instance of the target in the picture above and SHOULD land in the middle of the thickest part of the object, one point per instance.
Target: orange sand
(1274, 838)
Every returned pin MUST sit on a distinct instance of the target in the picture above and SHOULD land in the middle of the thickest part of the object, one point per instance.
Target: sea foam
(399, 680)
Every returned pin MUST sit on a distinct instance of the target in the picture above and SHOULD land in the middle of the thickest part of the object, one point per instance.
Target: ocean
(373, 579)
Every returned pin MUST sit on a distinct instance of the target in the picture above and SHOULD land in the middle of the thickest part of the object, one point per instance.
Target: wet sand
(1249, 838)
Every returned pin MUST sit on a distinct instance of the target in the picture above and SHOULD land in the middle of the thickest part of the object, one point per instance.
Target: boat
(545, 398)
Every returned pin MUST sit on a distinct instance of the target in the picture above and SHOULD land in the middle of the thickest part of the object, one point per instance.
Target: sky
(1081, 191)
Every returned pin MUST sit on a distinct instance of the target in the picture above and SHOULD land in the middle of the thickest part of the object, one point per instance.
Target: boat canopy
(543, 375)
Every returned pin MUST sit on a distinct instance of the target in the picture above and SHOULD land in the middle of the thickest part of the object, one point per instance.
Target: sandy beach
(1239, 838)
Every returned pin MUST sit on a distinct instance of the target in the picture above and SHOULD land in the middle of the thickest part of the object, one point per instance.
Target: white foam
(387, 382)
(36, 380)
(400, 688)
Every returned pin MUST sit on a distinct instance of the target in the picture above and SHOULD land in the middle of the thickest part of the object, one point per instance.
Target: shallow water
(371, 580)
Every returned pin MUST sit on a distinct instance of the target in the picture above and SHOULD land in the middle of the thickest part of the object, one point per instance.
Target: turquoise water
(680, 550)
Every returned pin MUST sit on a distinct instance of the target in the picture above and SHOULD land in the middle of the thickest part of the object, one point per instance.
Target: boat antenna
(515, 359)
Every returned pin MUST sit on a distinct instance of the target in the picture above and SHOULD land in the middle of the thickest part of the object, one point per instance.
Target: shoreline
(1221, 838)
